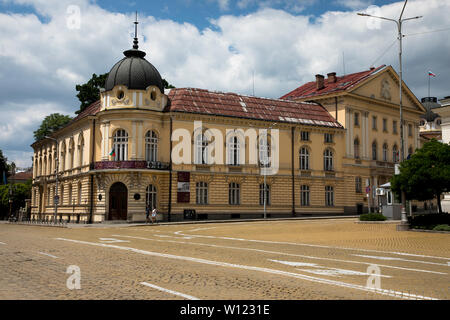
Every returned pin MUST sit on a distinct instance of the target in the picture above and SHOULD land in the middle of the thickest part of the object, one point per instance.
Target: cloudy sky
(49, 46)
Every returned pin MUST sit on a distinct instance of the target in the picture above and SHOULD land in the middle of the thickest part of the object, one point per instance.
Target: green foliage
(89, 92)
(20, 192)
(3, 166)
(167, 85)
(428, 221)
(426, 175)
(50, 124)
(442, 227)
(372, 217)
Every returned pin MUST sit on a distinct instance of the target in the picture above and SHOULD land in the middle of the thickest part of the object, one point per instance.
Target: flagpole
(429, 84)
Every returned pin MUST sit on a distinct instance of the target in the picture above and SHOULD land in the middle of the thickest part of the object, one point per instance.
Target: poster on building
(183, 188)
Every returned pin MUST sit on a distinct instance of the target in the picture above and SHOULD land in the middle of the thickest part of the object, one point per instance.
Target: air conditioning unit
(380, 191)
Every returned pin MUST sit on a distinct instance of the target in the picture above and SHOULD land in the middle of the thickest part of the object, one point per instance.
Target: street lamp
(265, 164)
(56, 198)
(400, 37)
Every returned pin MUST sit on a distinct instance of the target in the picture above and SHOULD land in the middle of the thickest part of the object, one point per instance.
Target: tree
(89, 92)
(167, 85)
(426, 175)
(3, 166)
(50, 124)
(20, 192)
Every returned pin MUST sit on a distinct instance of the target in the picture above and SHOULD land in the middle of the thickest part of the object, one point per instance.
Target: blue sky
(225, 45)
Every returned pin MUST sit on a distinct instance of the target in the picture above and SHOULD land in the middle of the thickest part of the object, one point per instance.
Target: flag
(431, 74)
(113, 152)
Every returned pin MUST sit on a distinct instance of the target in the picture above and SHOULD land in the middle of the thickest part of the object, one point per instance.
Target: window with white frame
(358, 185)
(328, 160)
(304, 135)
(304, 196)
(120, 145)
(374, 150)
(234, 190)
(395, 156)
(385, 152)
(329, 196)
(150, 199)
(151, 146)
(201, 189)
(328, 138)
(233, 151)
(201, 149)
(304, 158)
(264, 150)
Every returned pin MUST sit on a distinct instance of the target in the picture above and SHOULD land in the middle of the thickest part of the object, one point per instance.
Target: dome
(134, 72)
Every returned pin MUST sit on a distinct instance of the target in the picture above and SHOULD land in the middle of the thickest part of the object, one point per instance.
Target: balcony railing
(155, 165)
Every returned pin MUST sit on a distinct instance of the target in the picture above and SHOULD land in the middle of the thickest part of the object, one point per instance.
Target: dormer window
(120, 94)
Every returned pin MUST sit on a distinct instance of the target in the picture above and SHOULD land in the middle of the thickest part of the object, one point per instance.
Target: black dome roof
(134, 72)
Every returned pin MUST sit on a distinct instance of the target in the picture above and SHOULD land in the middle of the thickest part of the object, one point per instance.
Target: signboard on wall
(183, 188)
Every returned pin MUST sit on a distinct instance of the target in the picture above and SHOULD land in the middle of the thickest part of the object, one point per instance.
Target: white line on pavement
(308, 245)
(47, 254)
(2, 243)
(281, 253)
(169, 291)
(398, 259)
(252, 268)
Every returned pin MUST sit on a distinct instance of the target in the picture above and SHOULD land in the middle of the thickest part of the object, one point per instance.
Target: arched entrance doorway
(118, 196)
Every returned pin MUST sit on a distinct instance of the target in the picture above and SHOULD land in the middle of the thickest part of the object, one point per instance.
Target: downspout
(170, 175)
(91, 167)
(292, 167)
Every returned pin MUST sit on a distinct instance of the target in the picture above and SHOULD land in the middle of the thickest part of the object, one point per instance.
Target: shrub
(429, 221)
(372, 217)
(442, 227)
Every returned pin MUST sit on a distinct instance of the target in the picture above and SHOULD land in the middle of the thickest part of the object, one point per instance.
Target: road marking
(295, 264)
(111, 240)
(309, 245)
(47, 254)
(165, 236)
(251, 268)
(282, 253)
(170, 291)
(2, 243)
(398, 259)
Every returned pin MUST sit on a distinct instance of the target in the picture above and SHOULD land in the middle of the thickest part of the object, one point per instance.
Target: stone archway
(118, 202)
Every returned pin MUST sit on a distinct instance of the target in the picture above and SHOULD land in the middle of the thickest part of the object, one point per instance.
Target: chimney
(320, 81)
(332, 77)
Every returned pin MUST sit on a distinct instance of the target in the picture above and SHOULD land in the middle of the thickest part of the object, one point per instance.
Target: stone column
(105, 141)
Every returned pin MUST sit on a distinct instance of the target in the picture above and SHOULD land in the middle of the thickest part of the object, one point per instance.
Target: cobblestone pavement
(308, 259)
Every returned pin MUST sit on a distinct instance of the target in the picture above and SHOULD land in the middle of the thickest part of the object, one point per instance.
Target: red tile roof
(233, 105)
(91, 110)
(21, 176)
(342, 83)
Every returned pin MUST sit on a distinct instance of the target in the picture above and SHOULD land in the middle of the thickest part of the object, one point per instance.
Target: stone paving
(309, 259)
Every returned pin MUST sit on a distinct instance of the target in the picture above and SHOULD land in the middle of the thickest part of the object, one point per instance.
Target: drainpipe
(293, 171)
(170, 175)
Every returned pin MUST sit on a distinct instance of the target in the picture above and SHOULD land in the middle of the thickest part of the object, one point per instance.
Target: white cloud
(40, 63)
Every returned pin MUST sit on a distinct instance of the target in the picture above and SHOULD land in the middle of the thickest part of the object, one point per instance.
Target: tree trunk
(439, 203)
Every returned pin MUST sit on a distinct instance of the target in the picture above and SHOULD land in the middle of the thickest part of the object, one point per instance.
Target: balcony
(154, 165)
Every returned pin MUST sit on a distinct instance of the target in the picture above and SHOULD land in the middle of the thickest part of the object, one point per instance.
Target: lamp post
(400, 37)
(265, 164)
(56, 197)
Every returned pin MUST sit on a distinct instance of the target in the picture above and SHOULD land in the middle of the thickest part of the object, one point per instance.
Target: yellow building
(197, 154)
(367, 105)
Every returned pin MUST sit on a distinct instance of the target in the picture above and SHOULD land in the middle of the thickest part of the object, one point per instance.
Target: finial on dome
(135, 52)
(135, 42)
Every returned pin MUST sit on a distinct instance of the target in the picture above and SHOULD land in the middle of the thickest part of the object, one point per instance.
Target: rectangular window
(234, 190)
(374, 123)
(358, 186)
(202, 192)
(410, 130)
(385, 125)
(356, 119)
(304, 135)
(304, 195)
(394, 127)
(329, 196)
(328, 137)
(261, 195)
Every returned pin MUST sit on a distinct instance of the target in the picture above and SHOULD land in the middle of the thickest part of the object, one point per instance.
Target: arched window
(151, 146)
(264, 196)
(328, 160)
(120, 145)
(395, 154)
(45, 166)
(233, 151)
(62, 157)
(374, 151)
(356, 147)
(80, 150)
(201, 149)
(264, 150)
(385, 152)
(50, 162)
(304, 158)
(71, 153)
(201, 189)
(150, 199)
